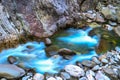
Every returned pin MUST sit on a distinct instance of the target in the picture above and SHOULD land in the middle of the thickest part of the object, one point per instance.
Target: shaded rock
(65, 75)
(101, 76)
(65, 51)
(88, 63)
(118, 15)
(38, 76)
(12, 59)
(47, 41)
(74, 70)
(117, 30)
(10, 71)
(52, 50)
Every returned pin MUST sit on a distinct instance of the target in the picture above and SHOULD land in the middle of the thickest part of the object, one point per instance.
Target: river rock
(99, 18)
(118, 16)
(104, 60)
(65, 51)
(88, 63)
(90, 75)
(10, 71)
(109, 13)
(51, 78)
(112, 23)
(12, 59)
(25, 77)
(65, 75)
(117, 30)
(108, 27)
(83, 78)
(95, 68)
(95, 59)
(38, 76)
(47, 41)
(3, 79)
(101, 76)
(109, 71)
(74, 70)
(59, 78)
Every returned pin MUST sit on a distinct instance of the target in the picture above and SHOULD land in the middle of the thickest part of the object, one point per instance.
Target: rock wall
(40, 18)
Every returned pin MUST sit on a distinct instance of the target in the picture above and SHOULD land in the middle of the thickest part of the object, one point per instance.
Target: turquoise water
(36, 58)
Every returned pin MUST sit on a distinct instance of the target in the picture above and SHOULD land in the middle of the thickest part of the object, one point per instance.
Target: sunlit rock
(74, 70)
(47, 41)
(100, 76)
(38, 76)
(51, 78)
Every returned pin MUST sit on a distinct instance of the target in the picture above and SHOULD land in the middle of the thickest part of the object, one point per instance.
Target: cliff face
(40, 18)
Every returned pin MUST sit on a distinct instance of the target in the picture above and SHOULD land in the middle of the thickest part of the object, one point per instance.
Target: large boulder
(10, 71)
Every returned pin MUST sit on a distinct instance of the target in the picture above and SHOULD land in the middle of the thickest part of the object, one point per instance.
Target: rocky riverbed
(103, 67)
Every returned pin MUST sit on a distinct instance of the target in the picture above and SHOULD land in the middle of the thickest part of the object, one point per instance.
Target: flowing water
(33, 54)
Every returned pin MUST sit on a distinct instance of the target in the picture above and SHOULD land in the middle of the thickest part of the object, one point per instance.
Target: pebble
(88, 63)
(10, 71)
(95, 59)
(51, 78)
(109, 27)
(3, 79)
(109, 71)
(48, 41)
(38, 76)
(90, 72)
(104, 61)
(74, 70)
(65, 75)
(101, 76)
(25, 77)
(112, 23)
(99, 18)
(83, 78)
(95, 68)
(59, 78)
(12, 59)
